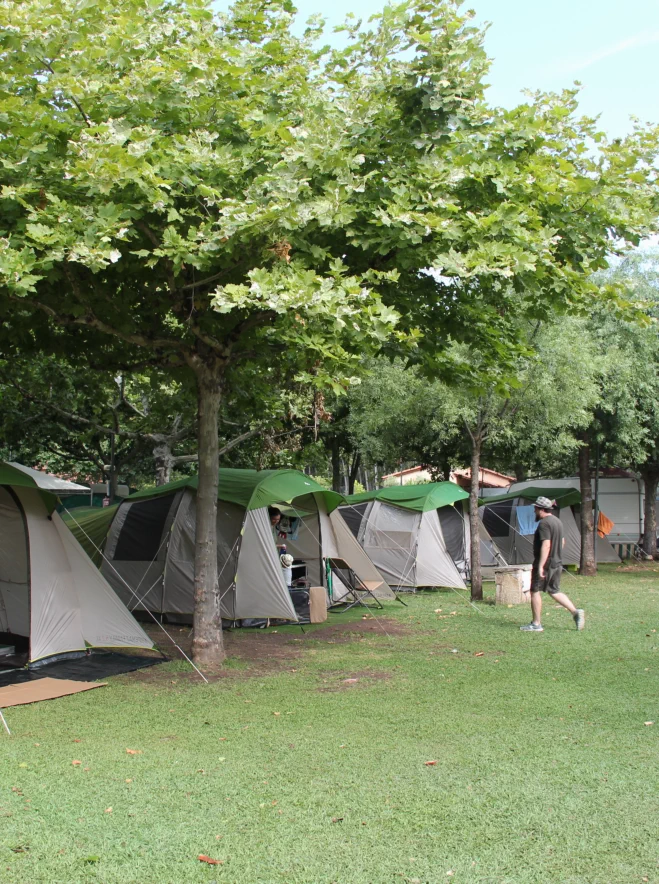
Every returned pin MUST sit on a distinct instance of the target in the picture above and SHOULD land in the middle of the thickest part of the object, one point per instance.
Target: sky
(610, 46)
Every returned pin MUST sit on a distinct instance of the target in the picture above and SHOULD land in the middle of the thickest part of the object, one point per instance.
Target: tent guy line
(150, 613)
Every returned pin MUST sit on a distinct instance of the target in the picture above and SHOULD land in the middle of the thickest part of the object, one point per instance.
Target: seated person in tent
(278, 536)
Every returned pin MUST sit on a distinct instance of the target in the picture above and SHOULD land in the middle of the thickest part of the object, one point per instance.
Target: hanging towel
(604, 524)
(526, 523)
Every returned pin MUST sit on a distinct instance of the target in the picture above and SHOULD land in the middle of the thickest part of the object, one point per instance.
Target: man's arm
(544, 555)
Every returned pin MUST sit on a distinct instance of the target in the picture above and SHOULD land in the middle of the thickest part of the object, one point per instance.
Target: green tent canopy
(253, 489)
(565, 496)
(9, 475)
(421, 498)
(89, 526)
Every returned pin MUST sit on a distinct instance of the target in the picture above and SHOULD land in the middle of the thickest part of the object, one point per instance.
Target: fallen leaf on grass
(133, 751)
(276, 713)
(23, 764)
(108, 810)
(211, 862)
(648, 723)
(350, 680)
(77, 741)
(75, 762)
(429, 763)
(480, 654)
(129, 780)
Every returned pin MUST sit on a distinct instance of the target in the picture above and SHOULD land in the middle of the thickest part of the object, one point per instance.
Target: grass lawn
(545, 769)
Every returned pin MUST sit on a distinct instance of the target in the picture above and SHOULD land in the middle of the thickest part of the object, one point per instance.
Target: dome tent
(149, 545)
(417, 535)
(509, 519)
(50, 592)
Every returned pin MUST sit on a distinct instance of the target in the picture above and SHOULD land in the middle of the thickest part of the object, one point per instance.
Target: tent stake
(5, 723)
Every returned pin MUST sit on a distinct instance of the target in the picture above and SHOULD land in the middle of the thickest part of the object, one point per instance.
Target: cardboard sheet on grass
(43, 689)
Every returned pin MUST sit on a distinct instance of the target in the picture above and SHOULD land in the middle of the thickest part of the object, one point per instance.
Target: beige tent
(50, 592)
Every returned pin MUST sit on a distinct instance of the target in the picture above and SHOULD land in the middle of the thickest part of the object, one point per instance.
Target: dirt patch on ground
(332, 683)
(336, 633)
(258, 653)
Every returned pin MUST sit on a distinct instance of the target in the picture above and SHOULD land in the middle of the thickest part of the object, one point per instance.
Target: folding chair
(341, 570)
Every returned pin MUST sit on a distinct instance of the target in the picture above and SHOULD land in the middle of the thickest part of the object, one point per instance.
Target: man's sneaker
(579, 618)
(532, 627)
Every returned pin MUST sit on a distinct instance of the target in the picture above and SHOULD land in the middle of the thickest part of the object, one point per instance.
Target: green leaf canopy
(421, 498)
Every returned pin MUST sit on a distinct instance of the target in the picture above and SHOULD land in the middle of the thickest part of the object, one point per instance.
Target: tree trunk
(164, 462)
(354, 468)
(207, 644)
(650, 477)
(474, 526)
(336, 466)
(520, 472)
(587, 565)
(446, 469)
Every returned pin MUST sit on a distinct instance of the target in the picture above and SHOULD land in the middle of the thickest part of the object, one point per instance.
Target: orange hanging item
(604, 524)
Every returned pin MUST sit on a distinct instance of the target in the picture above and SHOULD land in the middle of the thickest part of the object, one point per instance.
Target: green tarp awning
(89, 526)
(421, 498)
(254, 489)
(564, 496)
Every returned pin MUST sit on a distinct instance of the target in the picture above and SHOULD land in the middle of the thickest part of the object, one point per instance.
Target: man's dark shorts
(551, 583)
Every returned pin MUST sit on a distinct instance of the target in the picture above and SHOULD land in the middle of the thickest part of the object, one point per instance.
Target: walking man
(548, 543)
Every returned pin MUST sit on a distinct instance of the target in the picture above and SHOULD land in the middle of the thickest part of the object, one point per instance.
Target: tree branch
(91, 321)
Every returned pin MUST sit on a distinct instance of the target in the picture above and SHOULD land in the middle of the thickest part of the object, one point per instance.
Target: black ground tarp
(90, 668)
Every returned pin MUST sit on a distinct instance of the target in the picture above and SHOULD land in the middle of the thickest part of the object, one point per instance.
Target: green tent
(510, 520)
(417, 535)
(421, 498)
(150, 540)
(252, 489)
(563, 496)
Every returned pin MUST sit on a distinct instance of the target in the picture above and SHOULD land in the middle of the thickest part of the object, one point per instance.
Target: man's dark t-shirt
(549, 528)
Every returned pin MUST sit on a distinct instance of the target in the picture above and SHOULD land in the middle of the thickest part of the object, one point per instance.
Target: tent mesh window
(353, 515)
(141, 533)
(498, 516)
(453, 529)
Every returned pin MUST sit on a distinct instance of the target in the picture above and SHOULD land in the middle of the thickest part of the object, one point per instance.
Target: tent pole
(5, 723)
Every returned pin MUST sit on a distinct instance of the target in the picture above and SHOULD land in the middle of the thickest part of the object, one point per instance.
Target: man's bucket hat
(544, 503)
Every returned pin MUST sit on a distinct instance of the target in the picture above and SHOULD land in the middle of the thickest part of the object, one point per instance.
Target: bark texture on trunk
(651, 481)
(164, 463)
(336, 467)
(587, 565)
(520, 472)
(474, 527)
(354, 469)
(207, 644)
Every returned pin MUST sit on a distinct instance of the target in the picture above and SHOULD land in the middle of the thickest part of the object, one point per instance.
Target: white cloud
(636, 42)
